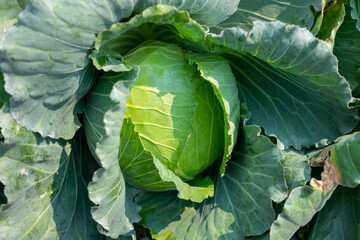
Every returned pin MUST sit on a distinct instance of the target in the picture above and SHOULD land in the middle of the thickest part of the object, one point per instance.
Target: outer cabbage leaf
(242, 202)
(347, 50)
(345, 155)
(300, 207)
(339, 219)
(45, 184)
(206, 12)
(98, 100)
(161, 22)
(9, 10)
(45, 61)
(217, 71)
(298, 12)
(355, 12)
(296, 169)
(290, 83)
(114, 211)
(196, 191)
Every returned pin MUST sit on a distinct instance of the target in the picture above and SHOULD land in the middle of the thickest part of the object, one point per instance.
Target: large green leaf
(206, 12)
(290, 83)
(45, 61)
(339, 219)
(298, 12)
(97, 103)
(347, 50)
(9, 10)
(242, 202)
(345, 155)
(217, 71)
(45, 184)
(300, 207)
(296, 169)
(80, 223)
(114, 211)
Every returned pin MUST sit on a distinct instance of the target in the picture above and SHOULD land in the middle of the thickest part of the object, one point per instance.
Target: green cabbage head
(165, 109)
(172, 114)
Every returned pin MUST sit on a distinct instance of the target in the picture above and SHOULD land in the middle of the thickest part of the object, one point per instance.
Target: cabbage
(175, 114)
(179, 119)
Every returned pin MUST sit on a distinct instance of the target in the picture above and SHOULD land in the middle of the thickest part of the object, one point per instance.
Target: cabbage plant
(179, 119)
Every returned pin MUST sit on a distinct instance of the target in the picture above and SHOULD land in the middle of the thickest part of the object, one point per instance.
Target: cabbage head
(172, 113)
